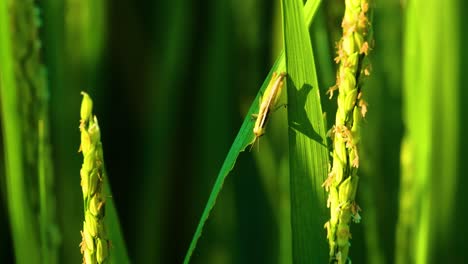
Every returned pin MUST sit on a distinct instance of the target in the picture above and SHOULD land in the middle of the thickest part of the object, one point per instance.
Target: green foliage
(380, 159)
(243, 139)
(307, 140)
(430, 146)
(27, 249)
(173, 81)
(26, 133)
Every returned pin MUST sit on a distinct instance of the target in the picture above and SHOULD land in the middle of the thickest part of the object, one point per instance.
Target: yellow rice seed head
(95, 132)
(93, 182)
(340, 149)
(89, 159)
(338, 169)
(86, 107)
(365, 50)
(84, 182)
(339, 53)
(82, 244)
(340, 117)
(348, 81)
(352, 62)
(330, 230)
(102, 251)
(343, 110)
(337, 172)
(355, 129)
(327, 227)
(347, 190)
(94, 205)
(363, 22)
(350, 100)
(353, 4)
(89, 258)
(354, 158)
(89, 241)
(334, 213)
(85, 142)
(348, 45)
(91, 224)
(358, 38)
(340, 99)
(349, 22)
(364, 6)
(343, 190)
(343, 235)
(99, 154)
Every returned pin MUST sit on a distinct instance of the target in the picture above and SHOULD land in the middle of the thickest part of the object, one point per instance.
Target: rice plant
(182, 89)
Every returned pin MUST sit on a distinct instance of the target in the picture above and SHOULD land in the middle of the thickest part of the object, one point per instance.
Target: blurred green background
(172, 82)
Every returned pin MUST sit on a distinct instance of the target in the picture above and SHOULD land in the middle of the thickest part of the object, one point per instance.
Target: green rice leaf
(118, 250)
(307, 140)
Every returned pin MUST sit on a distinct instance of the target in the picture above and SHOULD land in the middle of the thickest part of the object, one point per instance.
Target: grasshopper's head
(258, 132)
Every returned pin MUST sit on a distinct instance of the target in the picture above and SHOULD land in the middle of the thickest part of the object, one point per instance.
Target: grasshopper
(268, 102)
